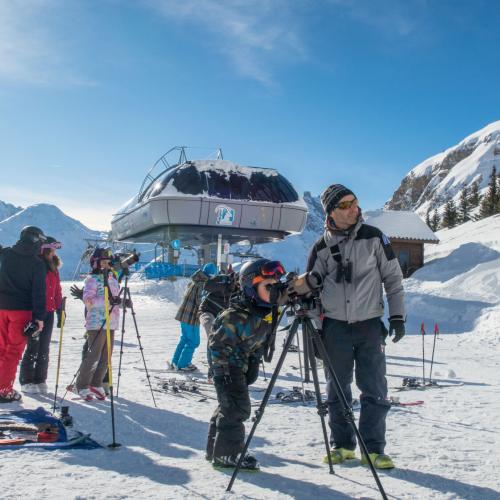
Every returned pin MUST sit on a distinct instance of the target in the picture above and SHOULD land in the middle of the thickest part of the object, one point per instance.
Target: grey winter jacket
(373, 263)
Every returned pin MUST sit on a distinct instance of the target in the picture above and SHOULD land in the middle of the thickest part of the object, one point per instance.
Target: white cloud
(389, 17)
(29, 49)
(254, 35)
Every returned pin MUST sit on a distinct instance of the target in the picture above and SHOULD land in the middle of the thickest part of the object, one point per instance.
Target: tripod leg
(348, 413)
(123, 335)
(320, 405)
(260, 411)
(305, 342)
(148, 377)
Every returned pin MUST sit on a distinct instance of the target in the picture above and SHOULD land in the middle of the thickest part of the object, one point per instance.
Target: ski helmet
(32, 234)
(253, 272)
(98, 255)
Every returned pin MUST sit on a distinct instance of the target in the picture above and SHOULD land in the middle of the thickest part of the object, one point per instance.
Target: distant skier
(94, 366)
(190, 321)
(239, 336)
(355, 260)
(35, 362)
(22, 301)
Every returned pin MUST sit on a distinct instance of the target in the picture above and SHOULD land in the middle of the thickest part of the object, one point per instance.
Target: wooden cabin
(407, 232)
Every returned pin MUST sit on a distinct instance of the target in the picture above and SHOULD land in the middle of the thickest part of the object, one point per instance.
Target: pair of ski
(414, 385)
(296, 396)
(183, 389)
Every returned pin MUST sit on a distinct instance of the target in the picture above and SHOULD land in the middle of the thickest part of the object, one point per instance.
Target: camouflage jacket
(188, 310)
(239, 332)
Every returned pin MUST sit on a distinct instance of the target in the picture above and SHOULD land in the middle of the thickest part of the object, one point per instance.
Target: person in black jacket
(22, 300)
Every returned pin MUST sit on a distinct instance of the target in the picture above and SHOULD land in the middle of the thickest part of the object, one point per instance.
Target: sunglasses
(55, 245)
(344, 205)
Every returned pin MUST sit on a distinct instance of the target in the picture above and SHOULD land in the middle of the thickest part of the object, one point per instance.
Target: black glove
(115, 301)
(221, 377)
(383, 331)
(396, 326)
(252, 373)
(76, 292)
(59, 318)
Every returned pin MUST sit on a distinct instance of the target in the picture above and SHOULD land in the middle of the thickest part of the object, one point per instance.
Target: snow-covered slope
(429, 184)
(54, 223)
(459, 286)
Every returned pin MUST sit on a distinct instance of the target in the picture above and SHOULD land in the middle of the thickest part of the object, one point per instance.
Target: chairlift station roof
(194, 201)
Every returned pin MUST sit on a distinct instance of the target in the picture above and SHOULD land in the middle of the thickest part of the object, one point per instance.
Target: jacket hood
(25, 248)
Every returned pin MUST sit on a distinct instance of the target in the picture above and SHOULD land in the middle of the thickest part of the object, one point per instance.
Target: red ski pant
(12, 344)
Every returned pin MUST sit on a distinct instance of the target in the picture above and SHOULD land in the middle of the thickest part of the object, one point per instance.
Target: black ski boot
(249, 463)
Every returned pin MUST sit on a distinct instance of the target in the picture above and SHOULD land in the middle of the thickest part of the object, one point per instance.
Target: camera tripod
(311, 339)
(127, 304)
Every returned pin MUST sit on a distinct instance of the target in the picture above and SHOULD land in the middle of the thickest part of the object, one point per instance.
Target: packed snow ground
(446, 448)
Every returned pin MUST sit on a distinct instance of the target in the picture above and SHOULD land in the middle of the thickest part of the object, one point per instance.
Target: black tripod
(313, 340)
(127, 304)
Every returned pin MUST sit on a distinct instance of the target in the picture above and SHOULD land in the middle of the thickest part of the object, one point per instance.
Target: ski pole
(63, 320)
(436, 333)
(422, 331)
(114, 444)
(263, 369)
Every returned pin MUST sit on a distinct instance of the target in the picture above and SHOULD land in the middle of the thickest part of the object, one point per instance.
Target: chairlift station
(201, 202)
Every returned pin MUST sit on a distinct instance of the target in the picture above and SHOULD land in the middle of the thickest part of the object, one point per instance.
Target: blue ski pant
(357, 348)
(189, 341)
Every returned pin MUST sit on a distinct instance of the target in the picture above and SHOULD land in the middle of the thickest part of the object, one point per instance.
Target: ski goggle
(55, 245)
(344, 205)
(272, 269)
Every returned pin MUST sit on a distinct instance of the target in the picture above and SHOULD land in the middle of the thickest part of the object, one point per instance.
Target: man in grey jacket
(355, 260)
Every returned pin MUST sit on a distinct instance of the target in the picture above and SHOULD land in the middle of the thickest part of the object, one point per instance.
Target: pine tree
(464, 206)
(450, 215)
(435, 221)
(475, 197)
(428, 217)
(490, 202)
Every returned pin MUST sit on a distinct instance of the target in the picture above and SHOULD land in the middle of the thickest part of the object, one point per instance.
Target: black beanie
(332, 195)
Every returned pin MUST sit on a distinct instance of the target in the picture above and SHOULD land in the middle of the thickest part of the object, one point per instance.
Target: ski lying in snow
(396, 402)
(425, 387)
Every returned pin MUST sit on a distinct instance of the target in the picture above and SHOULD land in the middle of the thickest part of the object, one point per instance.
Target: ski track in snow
(444, 449)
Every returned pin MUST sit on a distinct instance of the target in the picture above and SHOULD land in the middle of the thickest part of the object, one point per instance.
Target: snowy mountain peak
(429, 184)
(7, 210)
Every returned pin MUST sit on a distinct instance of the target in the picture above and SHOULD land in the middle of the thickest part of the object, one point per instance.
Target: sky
(93, 92)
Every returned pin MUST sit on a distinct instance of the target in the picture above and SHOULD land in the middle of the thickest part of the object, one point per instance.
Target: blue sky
(92, 92)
